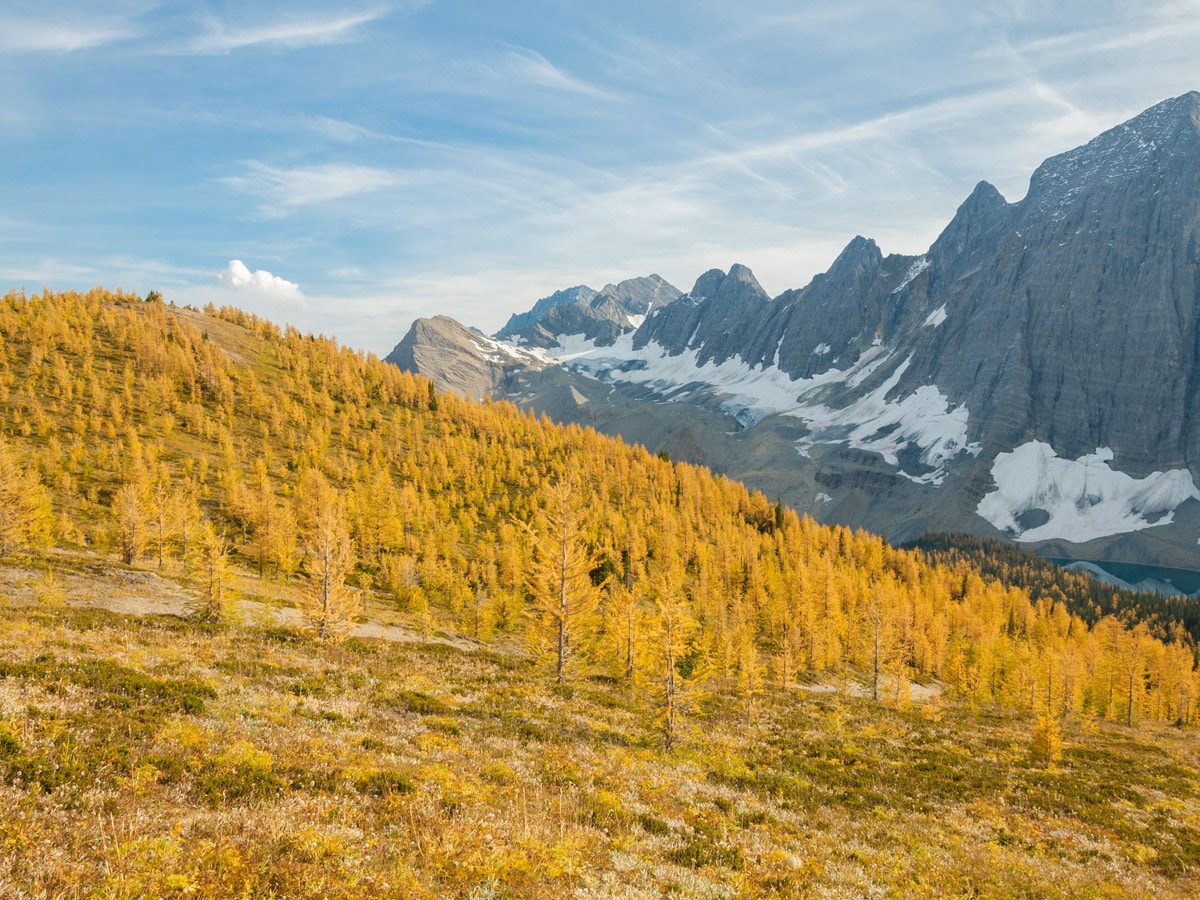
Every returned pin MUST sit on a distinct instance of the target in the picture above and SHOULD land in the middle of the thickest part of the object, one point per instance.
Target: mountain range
(1035, 375)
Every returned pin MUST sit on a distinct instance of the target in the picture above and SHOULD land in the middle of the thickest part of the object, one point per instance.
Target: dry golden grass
(147, 755)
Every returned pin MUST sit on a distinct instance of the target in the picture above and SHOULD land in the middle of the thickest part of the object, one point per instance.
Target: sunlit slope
(156, 757)
(142, 422)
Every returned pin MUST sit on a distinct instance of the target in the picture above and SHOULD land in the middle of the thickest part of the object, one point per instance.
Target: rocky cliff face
(1072, 309)
(457, 358)
(1035, 374)
(517, 322)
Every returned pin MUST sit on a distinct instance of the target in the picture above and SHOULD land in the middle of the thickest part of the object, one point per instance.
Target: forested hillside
(152, 428)
(600, 610)
(1087, 597)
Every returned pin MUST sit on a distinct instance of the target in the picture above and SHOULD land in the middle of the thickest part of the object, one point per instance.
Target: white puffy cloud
(238, 277)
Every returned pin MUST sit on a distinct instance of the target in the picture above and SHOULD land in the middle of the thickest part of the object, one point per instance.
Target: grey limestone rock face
(1074, 315)
(453, 356)
(846, 310)
(719, 316)
(1057, 317)
(635, 296)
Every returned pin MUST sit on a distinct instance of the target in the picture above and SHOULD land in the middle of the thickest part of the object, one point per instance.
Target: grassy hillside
(279, 618)
(154, 756)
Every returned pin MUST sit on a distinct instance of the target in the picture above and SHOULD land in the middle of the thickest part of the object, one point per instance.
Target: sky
(348, 167)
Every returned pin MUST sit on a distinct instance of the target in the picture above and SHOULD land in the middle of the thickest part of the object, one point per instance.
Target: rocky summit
(1034, 375)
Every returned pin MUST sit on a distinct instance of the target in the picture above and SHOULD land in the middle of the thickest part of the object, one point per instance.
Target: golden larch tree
(672, 629)
(24, 507)
(212, 561)
(560, 579)
(131, 522)
(329, 604)
(161, 502)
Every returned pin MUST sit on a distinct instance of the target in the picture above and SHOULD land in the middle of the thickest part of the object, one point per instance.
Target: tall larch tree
(328, 604)
(623, 627)
(161, 512)
(672, 629)
(212, 561)
(130, 522)
(186, 511)
(564, 596)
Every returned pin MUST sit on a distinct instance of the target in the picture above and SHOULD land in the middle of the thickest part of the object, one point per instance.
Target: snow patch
(916, 269)
(1083, 499)
(886, 427)
(823, 497)
(913, 271)
(501, 351)
(751, 393)
(937, 317)
(820, 350)
(570, 346)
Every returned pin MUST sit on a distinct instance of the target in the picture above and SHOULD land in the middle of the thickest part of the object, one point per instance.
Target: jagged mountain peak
(599, 316)
(707, 284)
(738, 283)
(464, 359)
(980, 224)
(621, 305)
(986, 197)
(860, 255)
(636, 296)
(1145, 144)
(719, 319)
(859, 247)
(580, 293)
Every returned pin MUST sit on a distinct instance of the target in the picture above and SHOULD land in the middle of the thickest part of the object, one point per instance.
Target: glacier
(1084, 498)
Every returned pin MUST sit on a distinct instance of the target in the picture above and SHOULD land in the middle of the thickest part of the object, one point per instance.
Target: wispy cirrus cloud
(1161, 24)
(283, 190)
(221, 36)
(340, 131)
(19, 35)
(892, 127)
(530, 66)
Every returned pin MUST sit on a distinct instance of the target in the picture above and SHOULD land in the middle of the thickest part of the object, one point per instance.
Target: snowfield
(750, 394)
(1084, 498)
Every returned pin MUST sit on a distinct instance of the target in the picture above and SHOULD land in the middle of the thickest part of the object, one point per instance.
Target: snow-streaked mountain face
(969, 387)
(922, 420)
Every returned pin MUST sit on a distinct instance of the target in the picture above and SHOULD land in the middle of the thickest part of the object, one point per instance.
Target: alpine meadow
(281, 620)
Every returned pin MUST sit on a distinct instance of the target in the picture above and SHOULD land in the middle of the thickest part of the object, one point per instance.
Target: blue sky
(367, 163)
